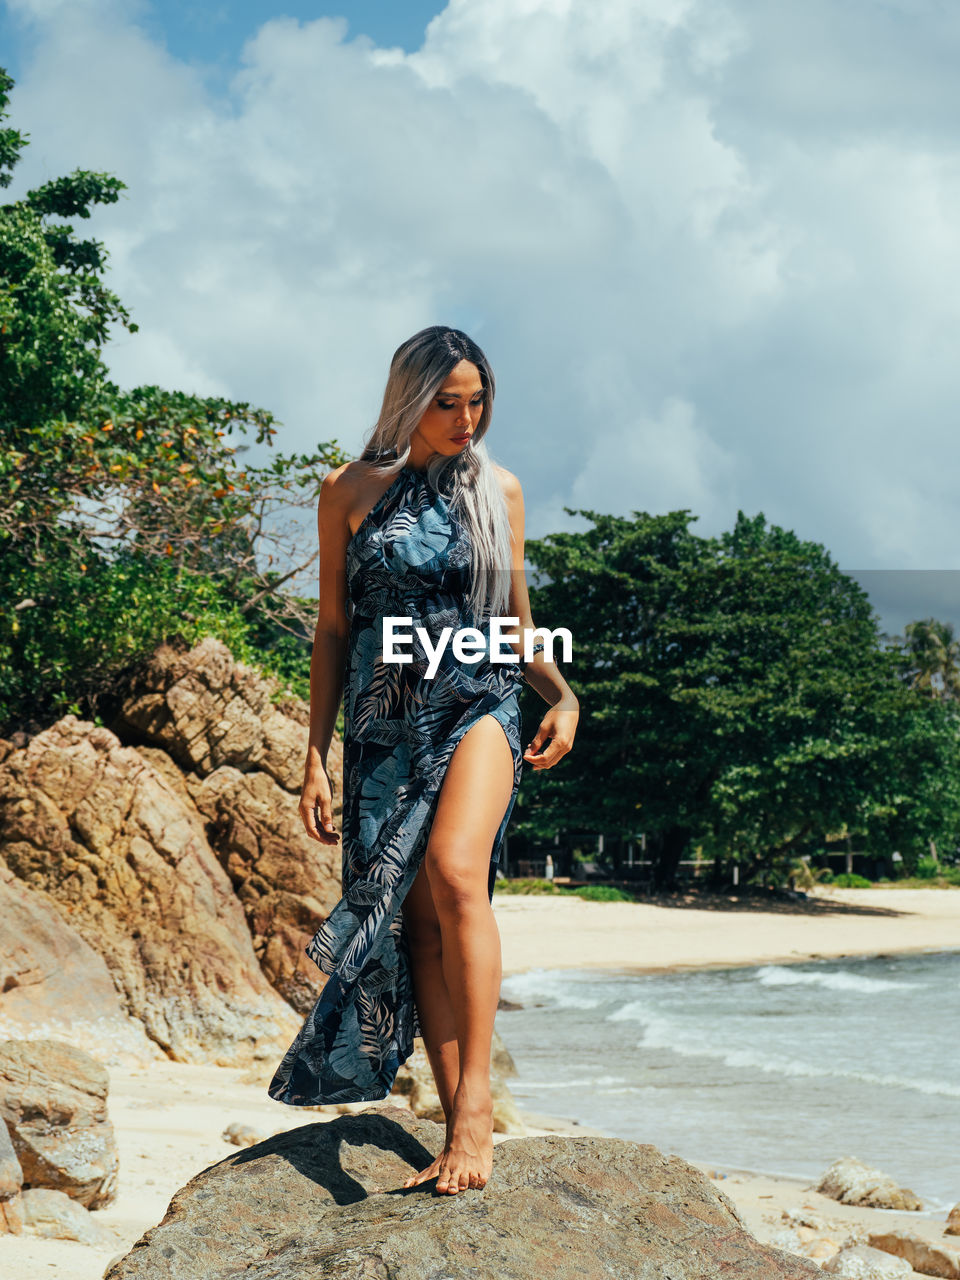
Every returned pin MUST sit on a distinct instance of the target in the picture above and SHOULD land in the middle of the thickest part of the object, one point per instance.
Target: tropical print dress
(410, 557)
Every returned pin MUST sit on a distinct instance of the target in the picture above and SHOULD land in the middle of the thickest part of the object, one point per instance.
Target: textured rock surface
(326, 1199)
(54, 984)
(860, 1262)
(54, 1215)
(286, 883)
(11, 1175)
(206, 710)
(852, 1182)
(201, 712)
(53, 1101)
(126, 861)
(953, 1222)
(929, 1259)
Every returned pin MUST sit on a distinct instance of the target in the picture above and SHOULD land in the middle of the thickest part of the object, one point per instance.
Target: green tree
(734, 691)
(126, 516)
(931, 658)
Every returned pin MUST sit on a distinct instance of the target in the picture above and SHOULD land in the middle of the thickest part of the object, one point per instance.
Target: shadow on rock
(327, 1200)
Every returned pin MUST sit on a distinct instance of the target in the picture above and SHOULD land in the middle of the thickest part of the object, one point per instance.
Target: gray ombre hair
(418, 370)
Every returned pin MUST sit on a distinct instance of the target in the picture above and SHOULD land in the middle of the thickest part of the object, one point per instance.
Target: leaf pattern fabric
(410, 557)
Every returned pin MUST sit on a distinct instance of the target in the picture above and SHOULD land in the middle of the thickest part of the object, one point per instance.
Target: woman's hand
(316, 805)
(559, 725)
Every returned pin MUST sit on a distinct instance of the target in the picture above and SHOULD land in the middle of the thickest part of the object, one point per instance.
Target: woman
(422, 527)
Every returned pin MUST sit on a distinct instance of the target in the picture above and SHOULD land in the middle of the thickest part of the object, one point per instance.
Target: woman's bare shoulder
(347, 482)
(508, 482)
(350, 490)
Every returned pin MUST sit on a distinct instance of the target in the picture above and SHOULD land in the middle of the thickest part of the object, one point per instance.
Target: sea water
(770, 1068)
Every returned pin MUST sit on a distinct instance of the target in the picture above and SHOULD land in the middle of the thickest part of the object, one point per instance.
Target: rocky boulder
(228, 741)
(206, 710)
(286, 883)
(125, 861)
(852, 1182)
(327, 1199)
(860, 1262)
(53, 1102)
(53, 1215)
(54, 984)
(922, 1255)
(11, 1175)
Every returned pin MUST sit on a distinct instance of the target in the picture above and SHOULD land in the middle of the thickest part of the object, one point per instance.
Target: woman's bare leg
(473, 798)
(434, 1006)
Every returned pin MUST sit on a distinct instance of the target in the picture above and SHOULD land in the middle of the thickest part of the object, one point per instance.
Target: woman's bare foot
(467, 1157)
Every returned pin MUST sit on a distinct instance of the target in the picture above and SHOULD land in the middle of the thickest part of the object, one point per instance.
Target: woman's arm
(559, 725)
(328, 658)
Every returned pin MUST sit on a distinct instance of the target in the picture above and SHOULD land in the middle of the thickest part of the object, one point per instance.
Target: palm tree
(932, 658)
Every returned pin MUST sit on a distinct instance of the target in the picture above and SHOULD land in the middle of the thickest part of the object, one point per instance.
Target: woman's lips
(460, 439)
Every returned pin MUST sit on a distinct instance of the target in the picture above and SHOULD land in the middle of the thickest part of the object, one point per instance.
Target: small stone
(852, 1182)
(863, 1263)
(922, 1255)
(242, 1135)
(53, 1215)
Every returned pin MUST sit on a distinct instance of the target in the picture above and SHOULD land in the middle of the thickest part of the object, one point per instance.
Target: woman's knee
(456, 883)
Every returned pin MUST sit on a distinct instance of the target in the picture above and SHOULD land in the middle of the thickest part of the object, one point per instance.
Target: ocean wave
(557, 986)
(773, 975)
(603, 1083)
(661, 1033)
(632, 1011)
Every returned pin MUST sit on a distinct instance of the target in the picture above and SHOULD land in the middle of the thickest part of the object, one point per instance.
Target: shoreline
(695, 966)
(169, 1117)
(548, 932)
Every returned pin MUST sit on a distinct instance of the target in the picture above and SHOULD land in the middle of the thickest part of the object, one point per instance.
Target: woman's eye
(442, 405)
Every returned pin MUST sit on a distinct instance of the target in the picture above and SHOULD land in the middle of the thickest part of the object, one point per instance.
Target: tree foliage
(131, 509)
(735, 693)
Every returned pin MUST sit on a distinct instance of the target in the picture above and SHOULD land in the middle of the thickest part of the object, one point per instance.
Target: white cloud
(709, 261)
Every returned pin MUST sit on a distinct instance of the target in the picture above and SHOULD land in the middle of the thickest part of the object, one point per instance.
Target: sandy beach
(563, 932)
(170, 1117)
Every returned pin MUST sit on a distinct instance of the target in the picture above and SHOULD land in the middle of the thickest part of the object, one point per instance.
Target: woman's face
(448, 425)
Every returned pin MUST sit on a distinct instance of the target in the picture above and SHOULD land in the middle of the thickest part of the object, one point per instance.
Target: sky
(711, 247)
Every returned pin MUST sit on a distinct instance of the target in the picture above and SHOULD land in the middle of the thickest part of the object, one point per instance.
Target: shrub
(601, 893)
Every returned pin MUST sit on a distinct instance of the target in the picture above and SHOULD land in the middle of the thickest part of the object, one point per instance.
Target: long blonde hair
(418, 370)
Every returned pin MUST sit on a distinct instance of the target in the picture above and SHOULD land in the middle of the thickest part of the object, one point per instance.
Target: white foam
(661, 1033)
(556, 986)
(773, 975)
(592, 1082)
(632, 1011)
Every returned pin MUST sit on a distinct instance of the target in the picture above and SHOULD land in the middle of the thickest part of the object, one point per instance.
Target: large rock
(327, 1199)
(286, 883)
(54, 984)
(922, 1255)
(953, 1222)
(56, 1217)
(852, 1182)
(207, 710)
(126, 861)
(860, 1262)
(11, 1175)
(53, 1101)
(243, 748)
